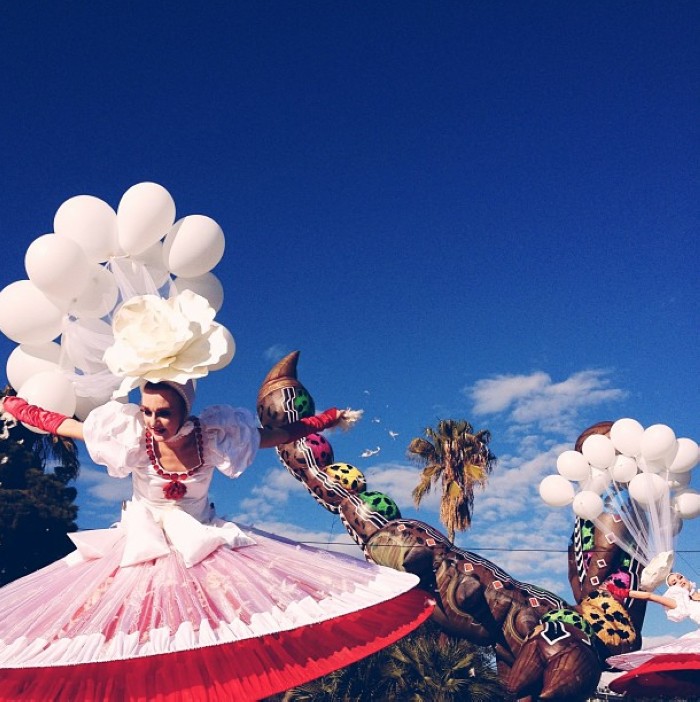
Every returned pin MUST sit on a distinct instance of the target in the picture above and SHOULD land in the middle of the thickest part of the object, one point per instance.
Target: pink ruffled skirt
(242, 623)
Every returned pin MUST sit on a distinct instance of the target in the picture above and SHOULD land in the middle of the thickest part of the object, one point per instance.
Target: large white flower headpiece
(174, 339)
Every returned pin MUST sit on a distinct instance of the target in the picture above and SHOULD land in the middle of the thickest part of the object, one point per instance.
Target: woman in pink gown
(173, 603)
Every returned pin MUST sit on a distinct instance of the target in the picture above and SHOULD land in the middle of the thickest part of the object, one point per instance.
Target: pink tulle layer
(94, 611)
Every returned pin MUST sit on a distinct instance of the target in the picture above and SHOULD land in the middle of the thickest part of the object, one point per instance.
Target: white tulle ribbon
(194, 541)
(145, 539)
(154, 534)
(95, 543)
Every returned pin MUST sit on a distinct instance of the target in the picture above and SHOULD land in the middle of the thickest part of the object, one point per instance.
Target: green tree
(426, 666)
(439, 668)
(36, 506)
(457, 457)
(361, 682)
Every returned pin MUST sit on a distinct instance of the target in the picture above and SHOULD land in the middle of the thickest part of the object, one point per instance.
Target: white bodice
(115, 437)
(685, 607)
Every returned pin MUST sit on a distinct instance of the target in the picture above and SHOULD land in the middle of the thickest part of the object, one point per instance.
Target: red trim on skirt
(242, 670)
(669, 675)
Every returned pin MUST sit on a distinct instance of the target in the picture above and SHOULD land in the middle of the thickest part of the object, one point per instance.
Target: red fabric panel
(242, 670)
(669, 675)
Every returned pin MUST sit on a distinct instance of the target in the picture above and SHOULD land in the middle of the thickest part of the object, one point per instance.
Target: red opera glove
(619, 593)
(32, 415)
(312, 425)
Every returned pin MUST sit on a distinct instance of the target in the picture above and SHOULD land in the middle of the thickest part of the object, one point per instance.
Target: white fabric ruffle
(114, 436)
(231, 438)
(149, 534)
(686, 608)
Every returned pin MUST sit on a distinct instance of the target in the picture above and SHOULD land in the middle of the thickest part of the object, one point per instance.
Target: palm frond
(460, 457)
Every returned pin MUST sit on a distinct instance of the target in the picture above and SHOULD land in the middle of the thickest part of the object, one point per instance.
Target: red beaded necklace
(176, 489)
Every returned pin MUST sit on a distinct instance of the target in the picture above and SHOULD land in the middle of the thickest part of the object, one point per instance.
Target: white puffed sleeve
(682, 599)
(231, 438)
(114, 438)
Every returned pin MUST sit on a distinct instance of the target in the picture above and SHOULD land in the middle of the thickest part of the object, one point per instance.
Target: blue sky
(478, 210)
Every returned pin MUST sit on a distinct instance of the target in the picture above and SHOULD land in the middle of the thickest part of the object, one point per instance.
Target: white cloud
(496, 394)
(535, 400)
(102, 487)
(268, 496)
(512, 487)
(398, 480)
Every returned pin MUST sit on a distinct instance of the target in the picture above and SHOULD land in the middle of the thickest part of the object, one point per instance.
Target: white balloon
(647, 488)
(686, 457)
(651, 466)
(27, 316)
(207, 285)
(670, 455)
(193, 246)
(91, 223)
(57, 266)
(657, 441)
(626, 435)
(598, 451)
(85, 405)
(687, 504)
(152, 258)
(678, 481)
(573, 466)
(598, 482)
(50, 390)
(676, 524)
(99, 297)
(623, 469)
(26, 361)
(556, 491)
(587, 504)
(145, 214)
(668, 530)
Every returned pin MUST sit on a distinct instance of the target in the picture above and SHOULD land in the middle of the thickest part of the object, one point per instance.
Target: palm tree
(434, 667)
(360, 682)
(459, 458)
(426, 666)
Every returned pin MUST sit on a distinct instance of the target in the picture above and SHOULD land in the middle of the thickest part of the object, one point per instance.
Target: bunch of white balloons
(641, 475)
(78, 276)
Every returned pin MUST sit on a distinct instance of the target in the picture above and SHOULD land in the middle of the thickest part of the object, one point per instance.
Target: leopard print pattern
(610, 621)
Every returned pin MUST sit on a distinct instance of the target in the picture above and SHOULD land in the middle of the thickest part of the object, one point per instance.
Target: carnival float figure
(545, 648)
(630, 490)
